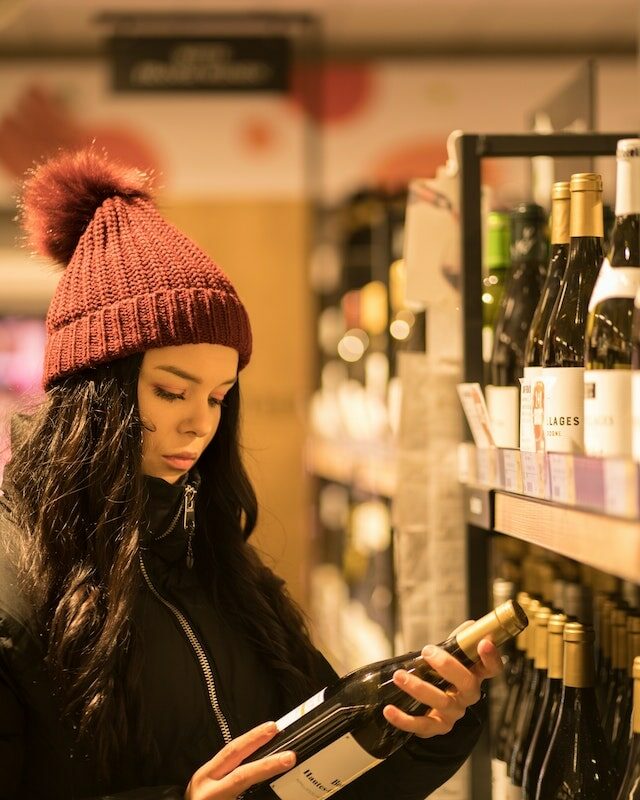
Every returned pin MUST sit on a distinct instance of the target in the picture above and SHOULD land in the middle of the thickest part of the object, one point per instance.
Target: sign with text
(202, 64)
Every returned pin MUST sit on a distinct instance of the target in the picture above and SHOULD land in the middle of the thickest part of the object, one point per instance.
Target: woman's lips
(180, 461)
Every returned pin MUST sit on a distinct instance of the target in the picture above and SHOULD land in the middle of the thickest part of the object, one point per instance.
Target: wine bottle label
(607, 412)
(503, 405)
(563, 409)
(622, 282)
(531, 437)
(635, 413)
(325, 772)
(301, 710)
(499, 779)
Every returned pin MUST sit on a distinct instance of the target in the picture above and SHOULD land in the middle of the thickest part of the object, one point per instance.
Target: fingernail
(400, 676)
(429, 651)
(270, 727)
(287, 759)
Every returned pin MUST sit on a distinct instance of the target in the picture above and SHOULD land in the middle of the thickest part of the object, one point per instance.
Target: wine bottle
(341, 732)
(529, 253)
(578, 764)
(619, 694)
(622, 748)
(502, 742)
(608, 344)
(496, 265)
(549, 708)
(563, 351)
(630, 787)
(530, 709)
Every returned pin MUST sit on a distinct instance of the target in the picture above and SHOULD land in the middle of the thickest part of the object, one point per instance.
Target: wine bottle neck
(636, 707)
(560, 221)
(627, 186)
(579, 665)
(586, 214)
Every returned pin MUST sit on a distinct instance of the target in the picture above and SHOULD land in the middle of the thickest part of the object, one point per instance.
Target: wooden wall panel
(262, 246)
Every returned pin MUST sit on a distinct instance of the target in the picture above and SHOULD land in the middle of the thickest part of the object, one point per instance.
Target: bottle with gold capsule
(620, 696)
(630, 787)
(563, 352)
(578, 763)
(549, 709)
(530, 708)
(622, 742)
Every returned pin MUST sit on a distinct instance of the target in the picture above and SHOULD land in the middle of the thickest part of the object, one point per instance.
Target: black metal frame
(473, 148)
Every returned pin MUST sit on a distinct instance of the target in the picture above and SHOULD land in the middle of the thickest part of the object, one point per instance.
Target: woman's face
(180, 393)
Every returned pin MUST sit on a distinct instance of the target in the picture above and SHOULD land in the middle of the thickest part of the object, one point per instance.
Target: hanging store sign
(203, 64)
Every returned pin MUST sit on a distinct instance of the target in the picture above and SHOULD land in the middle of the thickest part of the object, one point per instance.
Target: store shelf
(608, 543)
(364, 466)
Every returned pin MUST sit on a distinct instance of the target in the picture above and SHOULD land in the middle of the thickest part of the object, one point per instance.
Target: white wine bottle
(630, 788)
(578, 763)
(608, 346)
(341, 732)
(563, 353)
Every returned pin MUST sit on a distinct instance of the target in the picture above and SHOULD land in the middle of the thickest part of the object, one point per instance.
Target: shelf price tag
(534, 474)
(512, 471)
(562, 478)
(487, 466)
(621, 487)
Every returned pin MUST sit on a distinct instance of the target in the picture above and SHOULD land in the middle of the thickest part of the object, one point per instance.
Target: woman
(144, 647)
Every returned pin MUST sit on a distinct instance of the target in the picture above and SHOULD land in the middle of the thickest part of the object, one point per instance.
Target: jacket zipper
(189, 520)
(199, 651)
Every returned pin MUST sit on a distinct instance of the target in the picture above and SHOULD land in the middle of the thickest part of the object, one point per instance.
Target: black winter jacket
(200, 676)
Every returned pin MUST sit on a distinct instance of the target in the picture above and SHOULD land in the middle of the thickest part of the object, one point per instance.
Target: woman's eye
(165, 395)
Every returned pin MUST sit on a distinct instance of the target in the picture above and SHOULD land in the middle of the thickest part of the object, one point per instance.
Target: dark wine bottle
(496, 266)
(502, 741)
(341, 732)
(578, 763)
(530, 708)
(630, 787)
(616, 711)
(549, 708)
(608, 345)
(622, 740)
(560, 238)
(529, 255)
(563, 351)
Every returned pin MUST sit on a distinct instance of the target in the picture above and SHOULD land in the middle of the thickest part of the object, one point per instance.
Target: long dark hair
(78, 494)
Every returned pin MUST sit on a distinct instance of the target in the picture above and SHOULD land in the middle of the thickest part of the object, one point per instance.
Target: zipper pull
(189, 521)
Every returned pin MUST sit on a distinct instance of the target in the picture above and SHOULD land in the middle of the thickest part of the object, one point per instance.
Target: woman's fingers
(424, 726)
(463, 680)
(234, 753)
(246, 775)
(490, 664)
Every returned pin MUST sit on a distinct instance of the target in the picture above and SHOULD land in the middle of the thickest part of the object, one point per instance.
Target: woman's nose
(199, 422)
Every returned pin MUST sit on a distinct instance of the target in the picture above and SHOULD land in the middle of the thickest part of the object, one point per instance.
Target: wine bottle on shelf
(635, 379)
(560, 205)
(496, 266)
(530, 709)
(578, 764)
(563, 351)
(608, 344)
(619, 694)
(605, 674)
(630, 787)
(529, 254)
(609, 220)
(549, 707)
(341, 732)
(622, 746)
(502, 741)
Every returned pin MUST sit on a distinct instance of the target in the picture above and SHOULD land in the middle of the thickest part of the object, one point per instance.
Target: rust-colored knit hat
(132, 280)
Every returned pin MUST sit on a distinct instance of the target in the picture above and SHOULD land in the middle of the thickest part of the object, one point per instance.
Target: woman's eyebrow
(180, 373)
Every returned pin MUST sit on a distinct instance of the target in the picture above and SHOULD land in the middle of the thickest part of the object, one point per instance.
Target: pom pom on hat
(60, 198)
(133, 281)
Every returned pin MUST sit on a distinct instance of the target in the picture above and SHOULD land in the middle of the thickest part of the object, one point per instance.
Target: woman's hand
(446, 708)
(225, 776)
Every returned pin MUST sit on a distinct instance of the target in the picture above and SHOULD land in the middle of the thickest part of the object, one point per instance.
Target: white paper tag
(563, 404)
(531, 438)
(607, 413)
(476, 413)
(503, 405)
(326, 772)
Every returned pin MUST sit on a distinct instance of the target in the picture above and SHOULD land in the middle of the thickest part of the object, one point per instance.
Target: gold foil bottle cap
(628, 148)
(586, 182)
(541, 638)
(575, 632)
(636, 668)
(556, 623)
(505, 621)
(561, 190)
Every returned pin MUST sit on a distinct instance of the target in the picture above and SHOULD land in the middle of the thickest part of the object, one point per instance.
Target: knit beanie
(132, 281)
